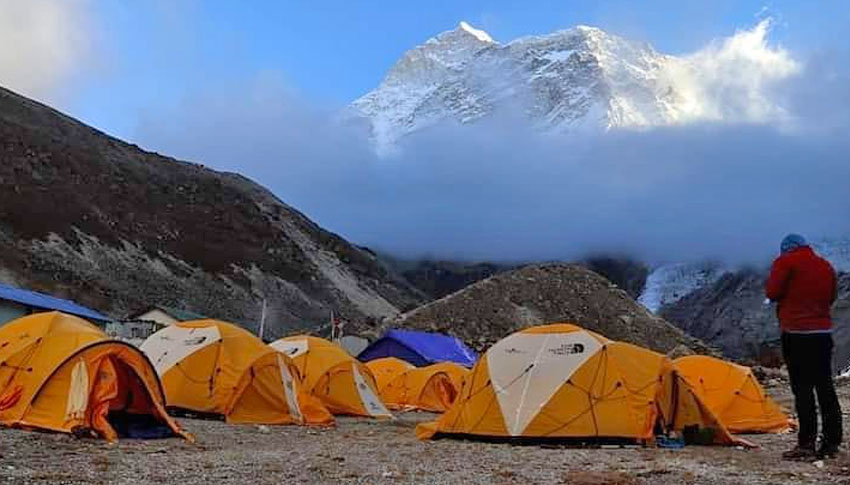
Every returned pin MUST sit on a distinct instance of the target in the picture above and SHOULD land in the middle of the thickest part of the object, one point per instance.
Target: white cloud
(43, 44)
(733, 79)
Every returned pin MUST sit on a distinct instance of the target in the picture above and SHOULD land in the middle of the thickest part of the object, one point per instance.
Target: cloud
(498, 190)
(43, 45)
(733, 79)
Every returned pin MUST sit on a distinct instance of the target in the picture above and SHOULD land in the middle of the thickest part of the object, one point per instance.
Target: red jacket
(804, 286)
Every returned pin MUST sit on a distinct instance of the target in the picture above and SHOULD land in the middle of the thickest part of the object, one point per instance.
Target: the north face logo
(194, 341)
(567, 349)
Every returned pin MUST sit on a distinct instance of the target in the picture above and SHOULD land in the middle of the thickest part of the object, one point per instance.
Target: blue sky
(152, 54)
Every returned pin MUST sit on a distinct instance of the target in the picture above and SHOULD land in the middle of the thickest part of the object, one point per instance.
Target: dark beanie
(792, 242)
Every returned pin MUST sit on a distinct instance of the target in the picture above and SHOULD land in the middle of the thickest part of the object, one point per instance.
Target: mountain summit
(571, 80)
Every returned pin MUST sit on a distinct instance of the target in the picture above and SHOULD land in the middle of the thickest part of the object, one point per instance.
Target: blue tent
(420, 348)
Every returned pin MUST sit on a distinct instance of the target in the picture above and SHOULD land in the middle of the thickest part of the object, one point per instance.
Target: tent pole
(262, 320)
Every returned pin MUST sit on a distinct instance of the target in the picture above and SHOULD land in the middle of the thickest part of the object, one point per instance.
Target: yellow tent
(405, 387)
(561, 381)
(344, 385)
(61, 373)
(213, 367)
(457, 374)
(386, 369)
(733, 394)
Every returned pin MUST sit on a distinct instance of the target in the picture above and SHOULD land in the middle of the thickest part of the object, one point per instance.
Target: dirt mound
(490, 309)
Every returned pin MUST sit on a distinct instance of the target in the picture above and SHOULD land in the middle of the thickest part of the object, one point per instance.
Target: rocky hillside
(438, 278)
(490, 309)
(731, 315)
(86, 216)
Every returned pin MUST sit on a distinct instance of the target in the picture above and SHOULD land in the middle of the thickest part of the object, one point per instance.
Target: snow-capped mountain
(667, 284)
(581, 78)
(670, 283)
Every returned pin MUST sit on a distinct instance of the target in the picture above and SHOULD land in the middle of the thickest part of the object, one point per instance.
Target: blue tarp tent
(420, 348)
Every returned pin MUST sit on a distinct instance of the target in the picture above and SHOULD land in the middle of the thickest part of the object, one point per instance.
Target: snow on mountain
(836, 251)
(565, 80)
(670, 283)
(569, 81)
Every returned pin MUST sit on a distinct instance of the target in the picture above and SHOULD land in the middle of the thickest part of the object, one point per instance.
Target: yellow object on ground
(733, 394)
(561, 381)
(328, 372)
(61, 373)
(404, 387)
(214, 367)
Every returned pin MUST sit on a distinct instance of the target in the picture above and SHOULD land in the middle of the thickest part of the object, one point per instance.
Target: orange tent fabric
(61, 373)
(328, 372)
(733, 394)
(214, 367)
(405, 387)
(386, 369)
(561, 381)
(457, 374)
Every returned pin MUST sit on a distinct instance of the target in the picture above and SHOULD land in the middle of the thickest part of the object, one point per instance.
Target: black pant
(809, 361)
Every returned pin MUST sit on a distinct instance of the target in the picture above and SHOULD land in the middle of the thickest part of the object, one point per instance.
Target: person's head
(792, 242)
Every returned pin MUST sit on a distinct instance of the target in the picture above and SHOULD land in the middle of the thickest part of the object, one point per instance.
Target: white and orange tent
(404, 387)
(328, 372)
(217, 368)
(563, 382)
(61, 373)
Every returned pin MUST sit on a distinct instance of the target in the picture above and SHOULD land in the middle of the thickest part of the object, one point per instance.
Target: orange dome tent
(61, 373)
(218, 368)
(386, 369)
(344, 385)
(457, 374)
(405, 387)
(733, 394)
(561, 381)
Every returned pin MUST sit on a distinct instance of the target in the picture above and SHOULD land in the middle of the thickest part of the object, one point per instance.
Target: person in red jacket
(804, 287)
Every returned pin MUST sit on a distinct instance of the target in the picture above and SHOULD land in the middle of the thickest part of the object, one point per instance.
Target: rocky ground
(364, 451)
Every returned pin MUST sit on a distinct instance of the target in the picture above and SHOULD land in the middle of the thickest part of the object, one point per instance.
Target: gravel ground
(366, 451)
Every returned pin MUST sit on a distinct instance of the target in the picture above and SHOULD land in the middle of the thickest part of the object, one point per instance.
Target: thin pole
(263, 320)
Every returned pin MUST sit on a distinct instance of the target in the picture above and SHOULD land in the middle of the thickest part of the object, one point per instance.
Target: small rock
(818, 464)
(263, 428)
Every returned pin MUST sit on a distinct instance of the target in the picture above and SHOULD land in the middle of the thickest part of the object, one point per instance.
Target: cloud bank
(760, 162)
(732, 79)
(43, 45)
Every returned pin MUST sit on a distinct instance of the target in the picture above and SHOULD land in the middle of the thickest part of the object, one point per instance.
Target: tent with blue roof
(420, 348)
(15, 303)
